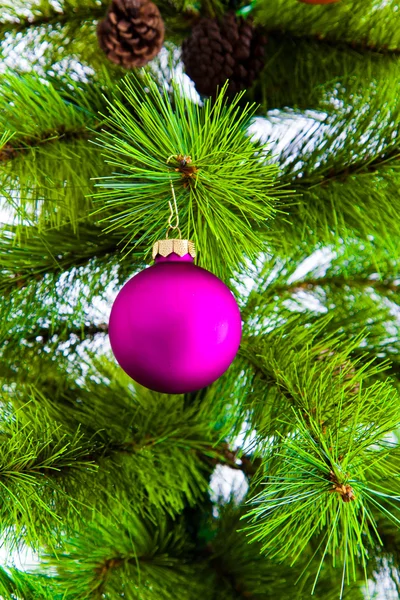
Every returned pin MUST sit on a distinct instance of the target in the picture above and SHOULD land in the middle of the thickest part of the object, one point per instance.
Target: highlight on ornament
(175, 327)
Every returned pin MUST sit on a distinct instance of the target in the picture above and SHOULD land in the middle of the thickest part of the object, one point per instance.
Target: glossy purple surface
(175, 327)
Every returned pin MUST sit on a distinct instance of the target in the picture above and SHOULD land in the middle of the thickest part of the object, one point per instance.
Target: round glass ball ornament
(175, 327)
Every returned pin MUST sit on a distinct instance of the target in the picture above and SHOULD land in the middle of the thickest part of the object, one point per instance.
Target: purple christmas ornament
(175, 327)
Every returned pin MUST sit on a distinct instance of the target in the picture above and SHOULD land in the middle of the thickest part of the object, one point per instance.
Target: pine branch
(323, 38)
(35, 110)
(223, 151)
(11, 152)
(19, 584)
(387, 160)
(73, 453)
(375, 24)
(150, 450)
(342, 478)
(222, 454)
(59, 303)
(44, 13)
(226, 575)
(50, 473)
(48, 186)
(49, 15)
(227, 567)
(149, 558)
(67, 48)
(32, 258)
(310, 283)
(373, 145)
(339, 415)
(311, 370)
(209, 455)
(305, 74)
(38, 113)
(46, 162)
(149, 149)
(43, 335)
(253, 575)
(355, 151)
(38, 507)
(354, 285)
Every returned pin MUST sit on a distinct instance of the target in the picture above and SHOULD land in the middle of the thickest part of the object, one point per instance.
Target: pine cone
(219, 50)
(132, 32)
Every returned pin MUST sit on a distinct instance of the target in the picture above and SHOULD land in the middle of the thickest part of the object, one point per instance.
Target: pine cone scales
(219, 50)
(132, 32)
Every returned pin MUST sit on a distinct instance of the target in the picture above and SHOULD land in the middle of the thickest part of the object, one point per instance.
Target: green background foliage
(293, 201)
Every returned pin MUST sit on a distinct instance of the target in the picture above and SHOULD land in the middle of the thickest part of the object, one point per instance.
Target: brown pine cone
(219, 50)
(132, 32)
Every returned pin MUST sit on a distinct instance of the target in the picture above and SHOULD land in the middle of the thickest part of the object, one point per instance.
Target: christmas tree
(276, 127)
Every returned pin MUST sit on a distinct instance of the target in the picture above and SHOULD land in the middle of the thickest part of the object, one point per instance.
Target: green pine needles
(46, 162)
(223, 184)
(281, 479)
(373, 24)
(330, 465)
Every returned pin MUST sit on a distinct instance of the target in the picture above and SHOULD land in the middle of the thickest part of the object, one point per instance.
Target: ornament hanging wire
(173, 209)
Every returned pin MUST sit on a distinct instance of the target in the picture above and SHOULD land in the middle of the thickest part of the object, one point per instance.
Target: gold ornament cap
(179, 247)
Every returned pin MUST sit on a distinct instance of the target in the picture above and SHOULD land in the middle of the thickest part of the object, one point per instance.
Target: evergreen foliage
(290, 191)
(226, 167)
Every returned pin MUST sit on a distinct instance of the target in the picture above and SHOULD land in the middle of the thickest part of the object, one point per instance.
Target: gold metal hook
(173, 209)
(177, 246)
